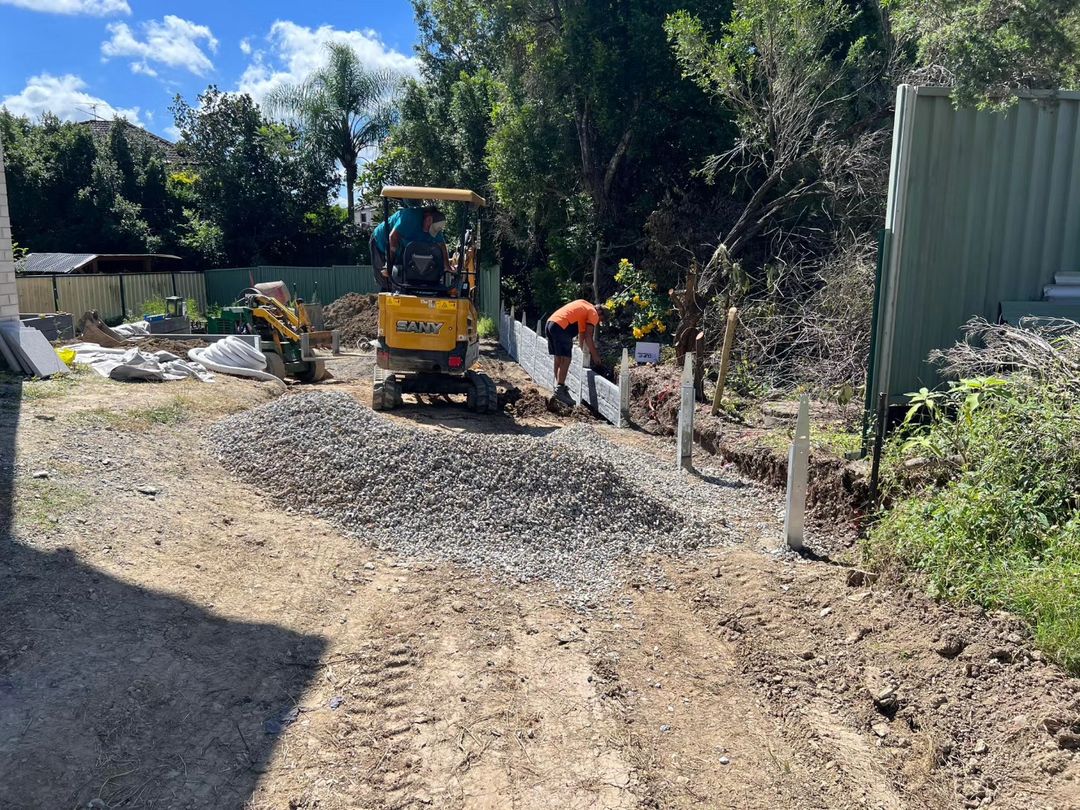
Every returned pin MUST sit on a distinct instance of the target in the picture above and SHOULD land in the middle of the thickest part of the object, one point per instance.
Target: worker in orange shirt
(577, 319)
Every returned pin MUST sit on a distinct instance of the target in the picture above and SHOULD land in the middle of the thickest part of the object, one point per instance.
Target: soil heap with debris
(564, 509)
(356, 316)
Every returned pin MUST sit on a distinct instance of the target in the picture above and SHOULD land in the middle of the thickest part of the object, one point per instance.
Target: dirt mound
(654, 398)
(164, 344)
(530, 401)
(355, 315)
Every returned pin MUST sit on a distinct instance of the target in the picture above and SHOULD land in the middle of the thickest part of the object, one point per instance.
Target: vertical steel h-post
(798, 462)
(624, 390)
(685, 438)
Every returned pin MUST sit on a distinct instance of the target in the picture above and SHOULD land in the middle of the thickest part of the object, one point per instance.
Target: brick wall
(9, 296)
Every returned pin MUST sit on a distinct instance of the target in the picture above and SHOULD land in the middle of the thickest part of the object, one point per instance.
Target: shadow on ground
(130, 697)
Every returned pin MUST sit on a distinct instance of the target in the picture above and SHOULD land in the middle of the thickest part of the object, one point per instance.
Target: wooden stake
(596, 274)
(725, 359)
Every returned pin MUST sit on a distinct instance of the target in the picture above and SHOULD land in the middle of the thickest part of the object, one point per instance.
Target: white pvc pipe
(234, 356)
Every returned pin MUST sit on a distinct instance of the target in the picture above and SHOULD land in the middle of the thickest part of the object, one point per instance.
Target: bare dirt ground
(171, 639)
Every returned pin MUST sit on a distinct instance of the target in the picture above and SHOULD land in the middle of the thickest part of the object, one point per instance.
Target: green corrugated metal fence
(983, 207)
(323, 284)
(327, 283)
(120, 296)
(489, 299)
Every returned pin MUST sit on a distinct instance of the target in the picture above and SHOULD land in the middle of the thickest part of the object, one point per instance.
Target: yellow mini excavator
(428, 340)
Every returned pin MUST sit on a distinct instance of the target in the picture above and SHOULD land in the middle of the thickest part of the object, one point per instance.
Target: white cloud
(295, 52)
(143, 68)
(66, 98)
(245, 46)
(172, 133)
(95, 8)
(173, 41)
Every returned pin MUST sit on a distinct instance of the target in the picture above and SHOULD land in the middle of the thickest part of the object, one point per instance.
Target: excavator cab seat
(421, 271)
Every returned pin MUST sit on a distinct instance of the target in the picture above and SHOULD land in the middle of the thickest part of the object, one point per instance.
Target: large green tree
(344, 109)
(988, 50)
(571, 114)
(71, 193)
(258, 192)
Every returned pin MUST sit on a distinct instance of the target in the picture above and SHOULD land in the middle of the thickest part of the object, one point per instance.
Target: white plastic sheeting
(135, 364)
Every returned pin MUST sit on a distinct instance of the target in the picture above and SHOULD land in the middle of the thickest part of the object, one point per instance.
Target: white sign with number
(647, 352)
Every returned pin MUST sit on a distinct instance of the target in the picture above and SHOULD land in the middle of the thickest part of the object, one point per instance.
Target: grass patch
(486, 328)
(40, 502)
(174, 411)
(35, 390)
(997, 521)
(839, 442)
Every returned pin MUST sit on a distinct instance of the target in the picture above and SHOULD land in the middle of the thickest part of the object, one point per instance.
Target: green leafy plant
(486, 328)
(999, 523)
(951, 414)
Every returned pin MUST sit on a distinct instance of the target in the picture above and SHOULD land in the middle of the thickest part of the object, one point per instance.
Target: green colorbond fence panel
(324, 283)
(223, 286)
(192, 285)
(489, 293)
(984, 207)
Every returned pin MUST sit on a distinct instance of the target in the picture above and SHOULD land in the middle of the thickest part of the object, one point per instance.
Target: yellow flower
(647, 328)
(638, 334)
(660, 328)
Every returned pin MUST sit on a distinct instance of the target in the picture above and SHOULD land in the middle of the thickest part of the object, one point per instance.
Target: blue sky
(132, 56)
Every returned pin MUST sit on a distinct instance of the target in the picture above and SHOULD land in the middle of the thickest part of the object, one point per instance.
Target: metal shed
(983, 208)
(92, 263)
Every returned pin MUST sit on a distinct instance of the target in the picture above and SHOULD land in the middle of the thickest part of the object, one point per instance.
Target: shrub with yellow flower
(650, 309)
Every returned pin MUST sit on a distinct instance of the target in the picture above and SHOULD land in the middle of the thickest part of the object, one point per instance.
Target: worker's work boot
(562, 393)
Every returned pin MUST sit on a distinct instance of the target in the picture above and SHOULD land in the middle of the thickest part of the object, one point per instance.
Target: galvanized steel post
(798, 461)
(685, 438)
(624, 389)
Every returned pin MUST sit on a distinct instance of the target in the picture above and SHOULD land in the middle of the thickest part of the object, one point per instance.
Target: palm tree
(344, 107)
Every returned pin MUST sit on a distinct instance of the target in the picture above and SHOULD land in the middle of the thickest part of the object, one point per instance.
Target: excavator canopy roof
(423, 193)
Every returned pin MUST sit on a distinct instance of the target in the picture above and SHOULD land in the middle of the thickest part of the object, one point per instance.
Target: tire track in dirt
(354, 744)
(519, 723)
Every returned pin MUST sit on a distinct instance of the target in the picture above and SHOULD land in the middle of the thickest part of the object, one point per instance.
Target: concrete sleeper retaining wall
(529, 349)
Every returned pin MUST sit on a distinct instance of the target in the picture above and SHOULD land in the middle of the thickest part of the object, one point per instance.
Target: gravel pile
(717, 499)
(355, 315)
(560, 509)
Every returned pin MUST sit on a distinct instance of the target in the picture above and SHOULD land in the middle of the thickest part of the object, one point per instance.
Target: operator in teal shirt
(392, 236)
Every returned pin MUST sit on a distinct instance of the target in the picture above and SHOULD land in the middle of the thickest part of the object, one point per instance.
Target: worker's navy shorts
(561, 339)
